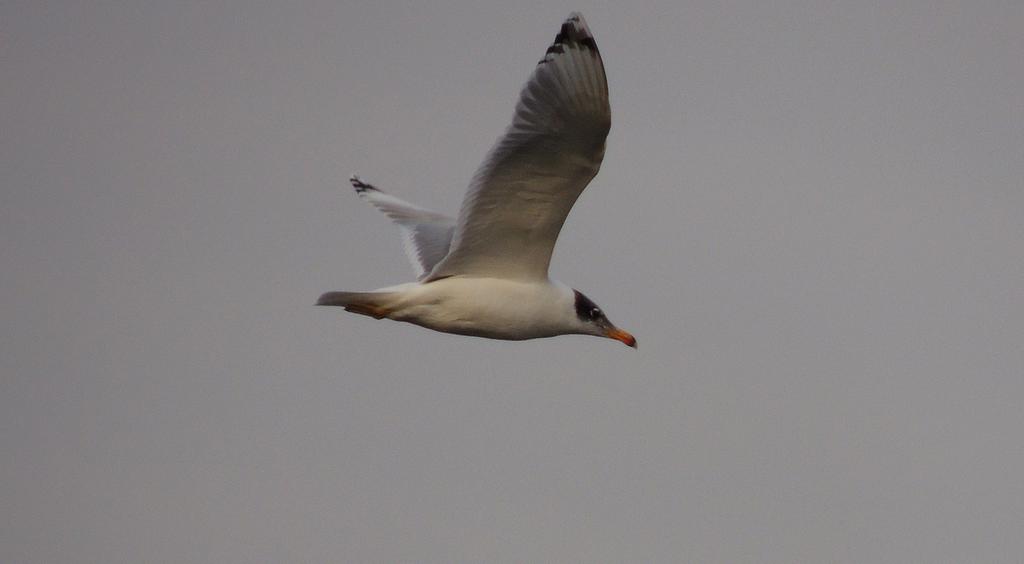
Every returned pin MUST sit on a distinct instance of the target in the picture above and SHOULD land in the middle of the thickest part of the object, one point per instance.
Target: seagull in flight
(485, 273)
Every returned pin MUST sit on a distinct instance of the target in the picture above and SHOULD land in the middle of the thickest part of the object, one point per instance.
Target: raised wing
(426, 235)
(521, 194)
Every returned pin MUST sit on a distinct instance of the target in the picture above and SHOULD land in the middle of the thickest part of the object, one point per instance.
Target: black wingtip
(359, 185)
(574, 32)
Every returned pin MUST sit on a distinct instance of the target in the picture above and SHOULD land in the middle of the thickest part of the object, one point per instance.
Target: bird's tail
(373, 304)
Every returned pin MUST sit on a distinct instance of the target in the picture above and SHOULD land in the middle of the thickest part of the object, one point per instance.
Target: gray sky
(810, 214)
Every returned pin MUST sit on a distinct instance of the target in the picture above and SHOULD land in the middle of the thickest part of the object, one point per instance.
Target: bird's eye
(595, 313)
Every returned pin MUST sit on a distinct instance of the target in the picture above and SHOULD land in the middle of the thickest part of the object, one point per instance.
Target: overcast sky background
(810, 215)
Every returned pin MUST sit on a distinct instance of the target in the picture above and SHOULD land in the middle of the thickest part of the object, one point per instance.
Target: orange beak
(620, 335)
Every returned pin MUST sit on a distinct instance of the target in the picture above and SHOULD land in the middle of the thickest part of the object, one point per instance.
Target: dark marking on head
(586, 309)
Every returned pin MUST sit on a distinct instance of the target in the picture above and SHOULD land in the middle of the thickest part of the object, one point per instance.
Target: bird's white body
(495, 308)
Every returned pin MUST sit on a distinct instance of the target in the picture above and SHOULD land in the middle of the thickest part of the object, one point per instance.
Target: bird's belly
(496, 309)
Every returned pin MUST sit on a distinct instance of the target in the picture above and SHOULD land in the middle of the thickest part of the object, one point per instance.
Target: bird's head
(592, 321)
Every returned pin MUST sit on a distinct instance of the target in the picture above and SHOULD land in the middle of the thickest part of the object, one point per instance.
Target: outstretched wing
(426, 235)
(521, 194)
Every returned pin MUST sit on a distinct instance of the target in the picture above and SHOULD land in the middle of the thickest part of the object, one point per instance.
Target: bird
(485, 272)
